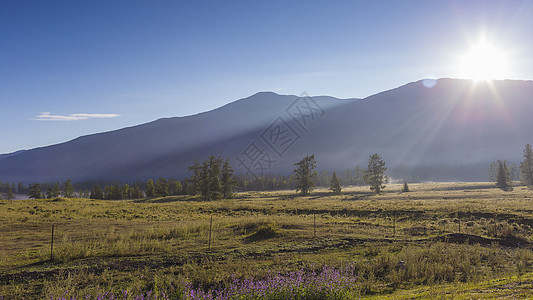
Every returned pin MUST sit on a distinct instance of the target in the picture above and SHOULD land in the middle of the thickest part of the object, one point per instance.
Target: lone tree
(527, 166)
(503, 179)
(304, 174)
(405, 187)
(335, 186)
(374, 174)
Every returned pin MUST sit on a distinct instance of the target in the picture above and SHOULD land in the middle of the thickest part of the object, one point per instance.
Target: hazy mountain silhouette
(450, 131)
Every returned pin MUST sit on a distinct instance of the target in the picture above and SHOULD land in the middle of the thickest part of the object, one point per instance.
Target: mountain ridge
(424, 131)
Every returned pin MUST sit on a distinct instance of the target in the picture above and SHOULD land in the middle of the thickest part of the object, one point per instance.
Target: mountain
(448, 129)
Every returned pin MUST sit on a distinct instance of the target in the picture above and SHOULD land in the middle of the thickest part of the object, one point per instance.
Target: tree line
(500, 172)
(214, 178)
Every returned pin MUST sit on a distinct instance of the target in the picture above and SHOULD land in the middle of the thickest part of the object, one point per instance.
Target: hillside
(451, 131)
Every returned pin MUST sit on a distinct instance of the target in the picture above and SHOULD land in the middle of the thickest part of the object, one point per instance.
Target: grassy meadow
(440, 240)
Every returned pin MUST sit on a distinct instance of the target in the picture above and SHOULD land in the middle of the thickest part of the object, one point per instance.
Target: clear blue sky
(104, 65)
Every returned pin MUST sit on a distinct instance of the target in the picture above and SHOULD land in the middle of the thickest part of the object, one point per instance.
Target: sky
(72, 68)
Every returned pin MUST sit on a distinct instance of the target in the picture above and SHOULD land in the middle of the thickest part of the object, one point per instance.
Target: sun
(484, 61)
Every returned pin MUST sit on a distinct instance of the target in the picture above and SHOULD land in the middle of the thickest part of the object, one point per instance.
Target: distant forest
(214, 178)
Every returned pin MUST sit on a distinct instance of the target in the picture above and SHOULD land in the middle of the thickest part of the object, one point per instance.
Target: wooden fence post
(314, 225)
(52, 245)
(210, 229)
(459, 219)
(394, 225)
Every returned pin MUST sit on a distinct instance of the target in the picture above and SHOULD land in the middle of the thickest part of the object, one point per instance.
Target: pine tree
(150, 188)
(374, 175)
(503, 179)
(527, 166)
(97, 193)
(405, 187)
(68, 190)
(35, 191)
(136, 193)
(21, 188)
(161, 187)
(304, 174)
(175, 187)
(193, 181)
(493, 171)
(335, 186)
(203, 181)
(125, 191)
(55, 191)
(359, 175)
(227, 180)
(215, 164)
(10, 195)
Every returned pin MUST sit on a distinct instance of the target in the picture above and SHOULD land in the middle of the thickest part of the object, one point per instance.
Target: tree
(161, 187)
(215, 164)
(527, 166)
(304, 174)
(405, 187)
(208, 179)
(335, 186)
(175, 187)
(227, 180)
(150, 188)
(515, 173)
(10, 195)
(68, 190)
(53, 192)
(97, 193)
(503, 179)
(193, 181)
(136, 193)
(21, 188)
(493, 171)
(125, 191)
(35, 191)
(374, 175)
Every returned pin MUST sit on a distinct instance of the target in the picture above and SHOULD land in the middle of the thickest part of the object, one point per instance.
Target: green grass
(400, 243)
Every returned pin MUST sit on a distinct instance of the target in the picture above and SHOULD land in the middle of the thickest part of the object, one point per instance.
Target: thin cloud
(47, 116)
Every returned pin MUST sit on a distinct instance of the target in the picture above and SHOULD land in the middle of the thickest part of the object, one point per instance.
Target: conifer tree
(161, 187)
(97, 193)
(55, 191)
(304, 174)
(150, 188)
(125, 191)
(227, 180)
(10, 195)
(35, 192)
(335, 186)
(193, 182)
(503, 179)
(68, 190)
(175, 187)
(374, 175)
(215, 164)
(493, 171)
(203, 181)
(405, 187)
(527, 166)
